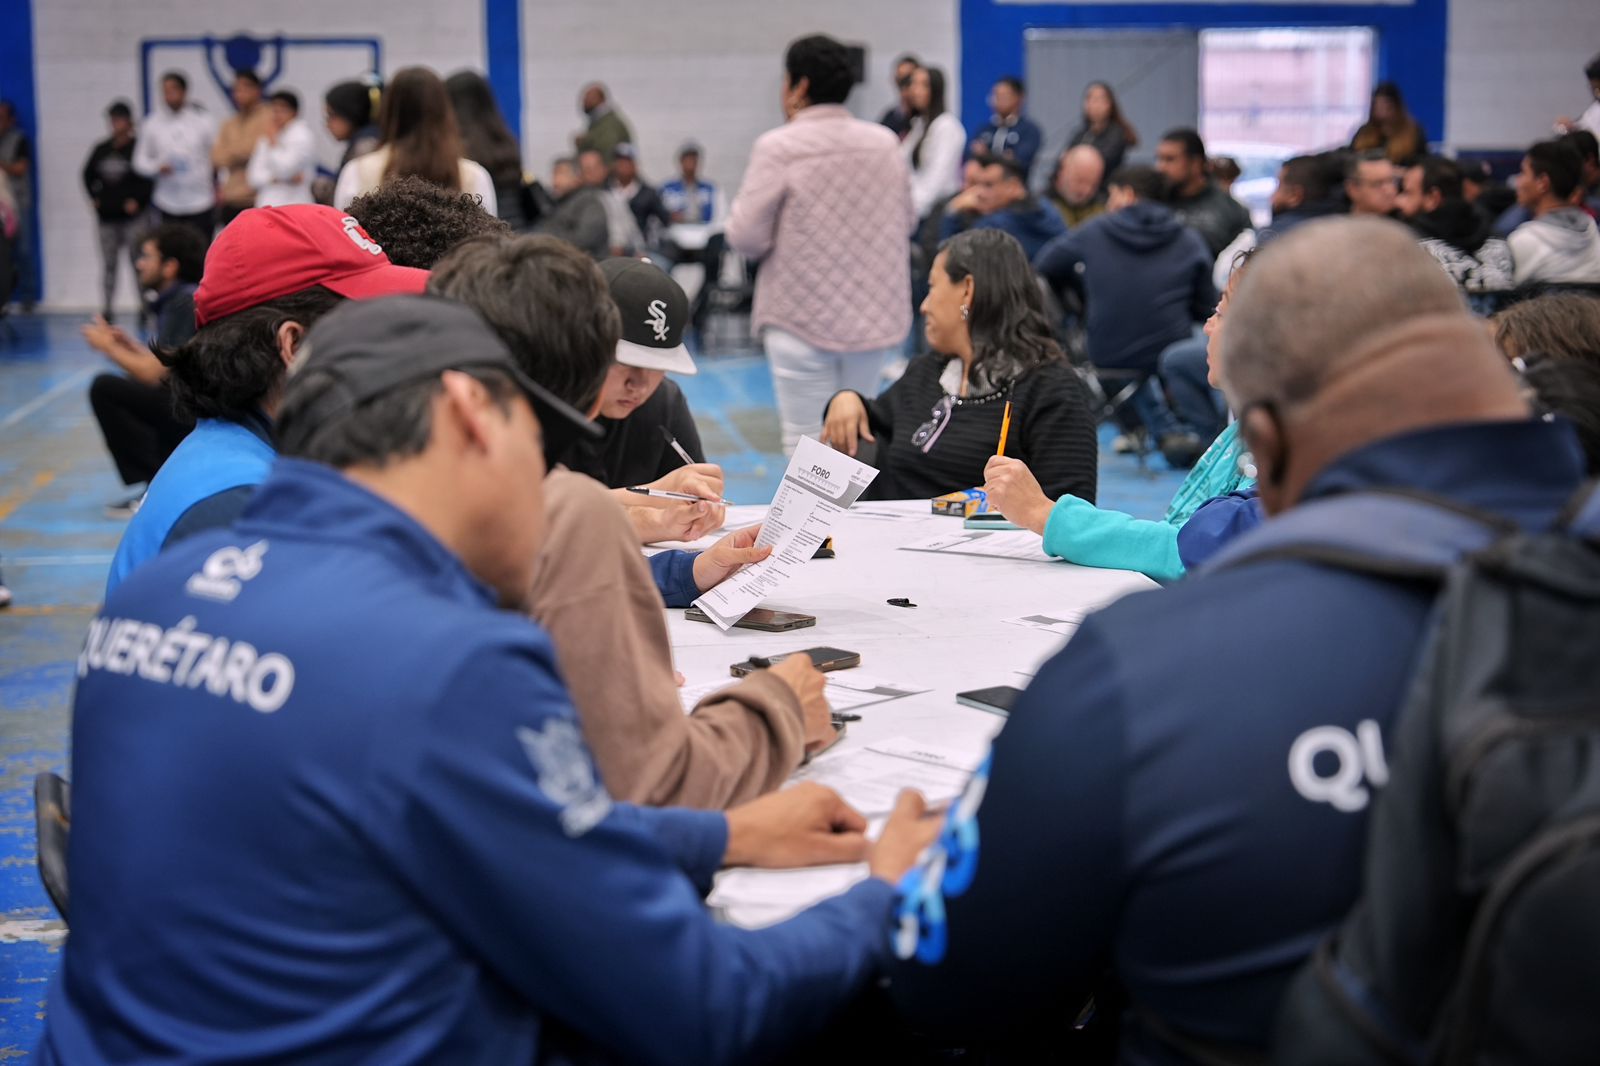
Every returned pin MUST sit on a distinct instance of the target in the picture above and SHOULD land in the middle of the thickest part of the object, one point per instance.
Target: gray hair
(1314, 296)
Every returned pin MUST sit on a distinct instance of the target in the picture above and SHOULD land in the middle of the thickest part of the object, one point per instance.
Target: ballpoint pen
(663, 494)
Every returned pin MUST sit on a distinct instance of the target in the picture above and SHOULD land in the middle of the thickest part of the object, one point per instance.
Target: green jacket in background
(606, 131)
(1082, 533)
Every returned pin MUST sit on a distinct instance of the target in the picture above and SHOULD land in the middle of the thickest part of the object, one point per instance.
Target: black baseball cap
(655, 313)
(371, 347)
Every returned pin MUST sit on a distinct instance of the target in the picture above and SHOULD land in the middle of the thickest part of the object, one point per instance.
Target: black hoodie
(1456, 223)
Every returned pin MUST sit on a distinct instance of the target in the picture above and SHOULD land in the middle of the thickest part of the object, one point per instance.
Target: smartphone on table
(761, 620)
(824, 659)
(997, 700)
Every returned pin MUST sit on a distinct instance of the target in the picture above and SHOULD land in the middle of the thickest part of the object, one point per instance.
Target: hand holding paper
(819, 484)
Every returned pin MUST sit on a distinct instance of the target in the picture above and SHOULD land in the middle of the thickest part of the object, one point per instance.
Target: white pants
(805, 378)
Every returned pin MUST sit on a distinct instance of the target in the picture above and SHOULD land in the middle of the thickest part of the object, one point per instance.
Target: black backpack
(1476, 939)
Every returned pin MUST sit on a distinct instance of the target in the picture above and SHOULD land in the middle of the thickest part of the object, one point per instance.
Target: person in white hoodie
(174, 150)
(285, 160)
(1559, 244)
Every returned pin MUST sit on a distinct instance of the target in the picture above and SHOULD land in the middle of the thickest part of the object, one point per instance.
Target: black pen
(672, 442)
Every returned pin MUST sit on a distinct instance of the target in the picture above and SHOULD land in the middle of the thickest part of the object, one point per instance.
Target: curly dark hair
(826, 66)
(232, 367)
(417, 222)
(1007, 319)
(548, 302)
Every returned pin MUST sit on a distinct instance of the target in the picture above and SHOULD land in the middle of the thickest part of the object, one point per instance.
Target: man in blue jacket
(1000, 200)
(1010, 134)
(331, 805)
(1145, 280)
(1205, 834)
(269, 275)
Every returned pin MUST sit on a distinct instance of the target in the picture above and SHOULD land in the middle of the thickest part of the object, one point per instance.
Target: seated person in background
(1389, 128)
(578, 213)
(689, 198)
(598, 597)
(1369, 184)
(1587, 146)
(1561, 325)
(623, 236)
(692, 201)
(1145, 279)
(989, 343)
(639, 196)
(1560, 244)
(349, 110)
(1197, 200)
(1587, 197)
(1010, 134)
(1075, 191)
(1077, 531)
(1452, 231)
(134, 408)
(1000, 200)
(1194, 862)
(418, 222)
(1224, 170)
(400, 849)
(1307, 189)
(270, 274)
(284, 161)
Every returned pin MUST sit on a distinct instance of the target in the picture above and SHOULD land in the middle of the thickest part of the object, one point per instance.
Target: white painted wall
(87, 54)
(708, 71)
(1514, 66)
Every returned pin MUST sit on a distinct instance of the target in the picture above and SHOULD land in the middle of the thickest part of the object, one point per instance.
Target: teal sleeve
(1082, 533)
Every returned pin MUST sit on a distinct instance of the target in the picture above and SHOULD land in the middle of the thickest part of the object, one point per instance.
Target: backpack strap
(1582, 515)
(1388, 533)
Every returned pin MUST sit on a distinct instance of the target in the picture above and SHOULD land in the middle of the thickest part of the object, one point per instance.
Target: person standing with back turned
(826, 207)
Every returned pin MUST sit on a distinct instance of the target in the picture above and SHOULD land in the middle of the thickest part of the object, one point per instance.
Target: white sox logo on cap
(658, 318)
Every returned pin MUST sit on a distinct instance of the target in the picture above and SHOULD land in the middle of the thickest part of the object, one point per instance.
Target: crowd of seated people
(388, 590)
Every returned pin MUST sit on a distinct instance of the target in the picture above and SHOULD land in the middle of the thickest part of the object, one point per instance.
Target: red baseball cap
(270, 252)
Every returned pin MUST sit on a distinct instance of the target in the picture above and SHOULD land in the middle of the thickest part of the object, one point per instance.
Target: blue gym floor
(56, 543)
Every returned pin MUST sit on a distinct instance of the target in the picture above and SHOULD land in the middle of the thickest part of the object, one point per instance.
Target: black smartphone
(997, 700)
(824, 659)
(761, 620)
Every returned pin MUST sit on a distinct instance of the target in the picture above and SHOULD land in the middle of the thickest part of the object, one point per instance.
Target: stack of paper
(871, 778)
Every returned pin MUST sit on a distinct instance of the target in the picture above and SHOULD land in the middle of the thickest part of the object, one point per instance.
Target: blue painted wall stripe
(17, 85)
(502, 32)
(1411, 40)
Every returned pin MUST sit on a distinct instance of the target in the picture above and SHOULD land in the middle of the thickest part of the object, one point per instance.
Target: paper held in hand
(819, 484)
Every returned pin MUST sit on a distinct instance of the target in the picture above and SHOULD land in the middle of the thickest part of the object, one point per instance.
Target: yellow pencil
(1005, 427)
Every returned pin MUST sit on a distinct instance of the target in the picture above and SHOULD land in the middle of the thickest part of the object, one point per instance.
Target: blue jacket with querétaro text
(331, 805)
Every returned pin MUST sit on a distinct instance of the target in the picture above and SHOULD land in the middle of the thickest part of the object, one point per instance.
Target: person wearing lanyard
(391, 843)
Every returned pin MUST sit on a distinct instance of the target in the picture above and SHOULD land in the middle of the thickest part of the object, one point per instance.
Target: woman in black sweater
(938, 425)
